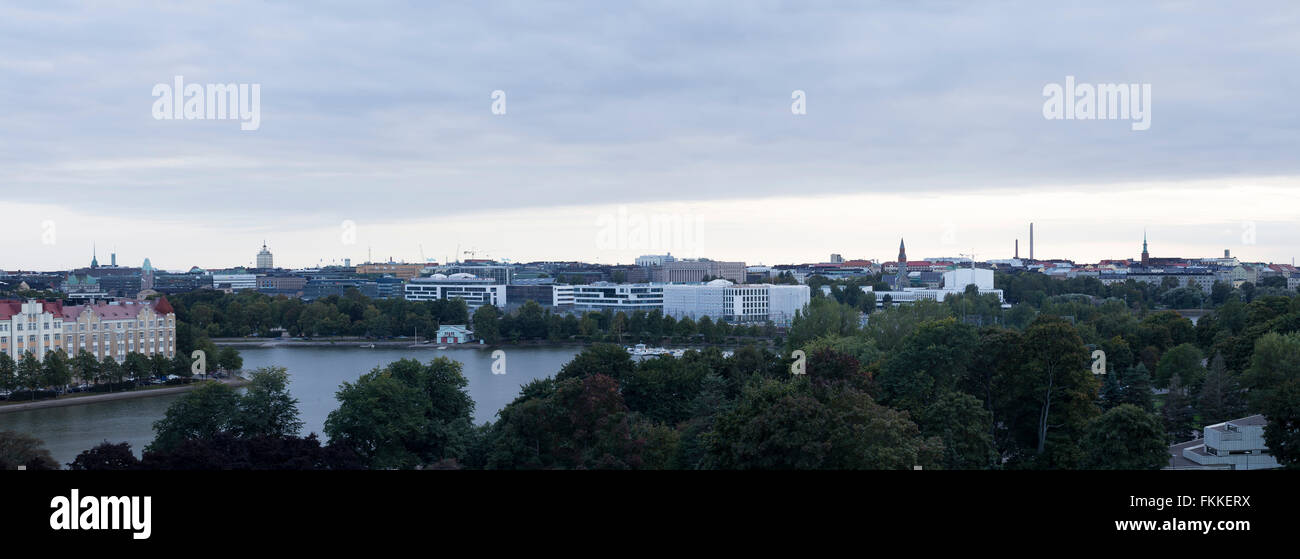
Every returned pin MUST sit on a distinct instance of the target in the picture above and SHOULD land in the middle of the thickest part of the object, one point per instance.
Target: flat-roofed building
(475, 291)
(1232, 445)
(618, 296)
(396, 269)
(745, 303)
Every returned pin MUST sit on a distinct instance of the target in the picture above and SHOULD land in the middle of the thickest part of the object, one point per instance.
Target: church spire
(902, 251)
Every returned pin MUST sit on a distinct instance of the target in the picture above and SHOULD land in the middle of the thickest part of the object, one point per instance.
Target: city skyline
(913, 119)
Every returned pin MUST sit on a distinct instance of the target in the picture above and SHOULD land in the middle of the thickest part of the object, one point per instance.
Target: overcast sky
(923, 121)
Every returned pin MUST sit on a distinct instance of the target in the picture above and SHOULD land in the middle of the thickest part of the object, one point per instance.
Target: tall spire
(1145, 255)
(902, 251)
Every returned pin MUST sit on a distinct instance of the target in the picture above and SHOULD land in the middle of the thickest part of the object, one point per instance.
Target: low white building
(1232, 445)
(453, 334)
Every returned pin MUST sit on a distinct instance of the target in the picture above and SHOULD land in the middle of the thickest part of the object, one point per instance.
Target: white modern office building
(745, 303)
(234, 281)
(475, 291)
(1232, 445)
(618, 296)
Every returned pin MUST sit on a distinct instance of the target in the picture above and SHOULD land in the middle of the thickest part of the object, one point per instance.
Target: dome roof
(719, 282)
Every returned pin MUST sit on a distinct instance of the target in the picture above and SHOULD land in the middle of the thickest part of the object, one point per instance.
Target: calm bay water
(314, 373)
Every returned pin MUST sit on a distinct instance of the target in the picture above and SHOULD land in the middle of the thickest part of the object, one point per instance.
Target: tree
(962, 423)
(228, 359)
(664, 389)
(1049, 399)
(1126, 438)
(821, 317)
(576, 423)
(1183, 360)
(86, 367)
(1177, 412)
(781, 425)
(1274, 383)
(136, 366)
(1135, 387)
(21, 449)
(55, 370)
(159, 365)
(599, 359)
(199, 414)
(404, 415)
(111, 371)
(487, 324)
(8, 370)
(180, 366)
(928, 364)
(106, 456)
(29, 373)
(267, 409)
(1221, 397)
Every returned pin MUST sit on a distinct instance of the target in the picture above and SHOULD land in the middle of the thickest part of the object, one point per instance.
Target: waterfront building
(453, 334)
(105, 329)
(114, 329)
(30, 326)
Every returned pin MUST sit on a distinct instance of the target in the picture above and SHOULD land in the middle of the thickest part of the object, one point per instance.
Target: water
(315, 374)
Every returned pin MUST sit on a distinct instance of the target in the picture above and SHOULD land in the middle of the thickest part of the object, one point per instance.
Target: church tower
(1145, 255)
(901, 279)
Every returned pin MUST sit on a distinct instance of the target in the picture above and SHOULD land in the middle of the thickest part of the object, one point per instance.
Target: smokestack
(1017, 249)
(1031, 241)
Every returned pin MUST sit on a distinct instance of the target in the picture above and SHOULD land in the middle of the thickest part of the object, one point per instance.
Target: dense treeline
(533, 322)
(248, 313)
(916, 385)
(212, 314)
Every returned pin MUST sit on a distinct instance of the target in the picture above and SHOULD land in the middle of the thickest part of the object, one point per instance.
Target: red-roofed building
(105, 329)
(32, 326)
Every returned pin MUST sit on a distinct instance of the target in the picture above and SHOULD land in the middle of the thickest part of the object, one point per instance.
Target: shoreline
(407, 344)
(111, 396)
